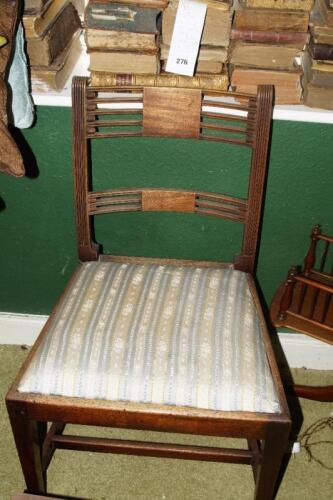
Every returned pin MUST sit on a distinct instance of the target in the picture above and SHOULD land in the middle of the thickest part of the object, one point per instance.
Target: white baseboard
(302, 351)
(299, 350)
(21, 329)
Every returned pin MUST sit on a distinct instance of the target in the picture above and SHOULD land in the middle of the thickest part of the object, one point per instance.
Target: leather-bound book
(261, 55)
(36, 26)
(290, 38)
(287, 84)
(305, 5)
(35, 6)
(322, 34)
(54, 77)
(326, 11)
(321, 51)
(320, 31)
(158, 4)
(120, 17)
(124, 62)
(120, 40)
(43, 51)
(270, 19)
(317, 72)
(318, 97)
(212, 82)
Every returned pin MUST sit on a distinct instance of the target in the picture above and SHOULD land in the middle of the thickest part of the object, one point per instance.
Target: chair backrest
(105, 112)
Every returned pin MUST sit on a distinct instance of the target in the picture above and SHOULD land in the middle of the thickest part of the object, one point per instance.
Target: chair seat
(162, 334)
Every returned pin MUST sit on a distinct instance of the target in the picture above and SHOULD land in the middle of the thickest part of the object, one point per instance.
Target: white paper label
(186, 37)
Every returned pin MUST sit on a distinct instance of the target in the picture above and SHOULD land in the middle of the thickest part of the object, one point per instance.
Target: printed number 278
(181, 61)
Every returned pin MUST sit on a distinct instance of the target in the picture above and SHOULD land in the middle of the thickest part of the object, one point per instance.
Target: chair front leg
(29, 436)
(274, 449)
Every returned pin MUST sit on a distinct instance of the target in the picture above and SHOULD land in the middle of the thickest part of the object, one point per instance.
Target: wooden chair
(158, 344)
(304, 303)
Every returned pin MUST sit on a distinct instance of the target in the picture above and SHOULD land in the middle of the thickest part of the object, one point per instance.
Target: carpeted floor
(115, 477)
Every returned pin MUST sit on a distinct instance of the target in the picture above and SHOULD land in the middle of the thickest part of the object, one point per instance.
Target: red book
(280, 37)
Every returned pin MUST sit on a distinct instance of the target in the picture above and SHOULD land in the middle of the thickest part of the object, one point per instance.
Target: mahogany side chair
(158, 344)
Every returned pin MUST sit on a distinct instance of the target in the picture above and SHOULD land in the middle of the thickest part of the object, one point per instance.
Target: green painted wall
(37, 251)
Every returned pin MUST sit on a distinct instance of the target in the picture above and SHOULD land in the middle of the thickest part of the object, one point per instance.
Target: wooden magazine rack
(304, 302)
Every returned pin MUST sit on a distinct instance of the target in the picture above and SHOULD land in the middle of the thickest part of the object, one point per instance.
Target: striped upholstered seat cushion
(165, 334)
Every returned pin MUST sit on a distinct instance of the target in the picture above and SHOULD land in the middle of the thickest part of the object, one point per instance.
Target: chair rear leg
(273, 451)
(29, 436)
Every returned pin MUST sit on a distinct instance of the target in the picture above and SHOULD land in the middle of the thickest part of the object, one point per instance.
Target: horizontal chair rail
(115, 123)
(226, 105)
(110, 135)
(140, 87)
(213, 126)
(118, 201)
(146, 199)
(117, 208)
(225, 117)
(213, 205)
(224, 139)
(114, 111)
(222, 214)
(222, 116)
(118, 100)
(226, 93)
(151, 449)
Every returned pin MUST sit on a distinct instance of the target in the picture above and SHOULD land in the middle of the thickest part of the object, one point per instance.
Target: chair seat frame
(36, 441)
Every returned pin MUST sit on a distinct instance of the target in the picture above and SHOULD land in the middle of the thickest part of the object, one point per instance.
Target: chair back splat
(240, 119)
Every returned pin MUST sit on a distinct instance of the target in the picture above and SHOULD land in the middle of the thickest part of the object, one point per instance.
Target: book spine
(325, 11)
(119, 17)
(128, 50)
(278, 20)
(159, 4)
(119, 40)
(36, 7)
(44, 51)
(321, 51)
(268, 36)
(103, 79)
(305, 5)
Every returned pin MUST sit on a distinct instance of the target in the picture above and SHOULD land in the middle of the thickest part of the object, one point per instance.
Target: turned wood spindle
(311, 255)
(288, 293)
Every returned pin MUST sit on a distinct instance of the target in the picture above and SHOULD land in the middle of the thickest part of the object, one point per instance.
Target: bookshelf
(298, 113)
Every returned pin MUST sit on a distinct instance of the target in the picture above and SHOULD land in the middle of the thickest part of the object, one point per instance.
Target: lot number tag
(186, 37)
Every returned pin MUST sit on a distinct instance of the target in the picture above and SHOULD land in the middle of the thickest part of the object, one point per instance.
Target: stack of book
(213, 52)
(318, 58)
(52, 29)
(123, 36)
(268, 37)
